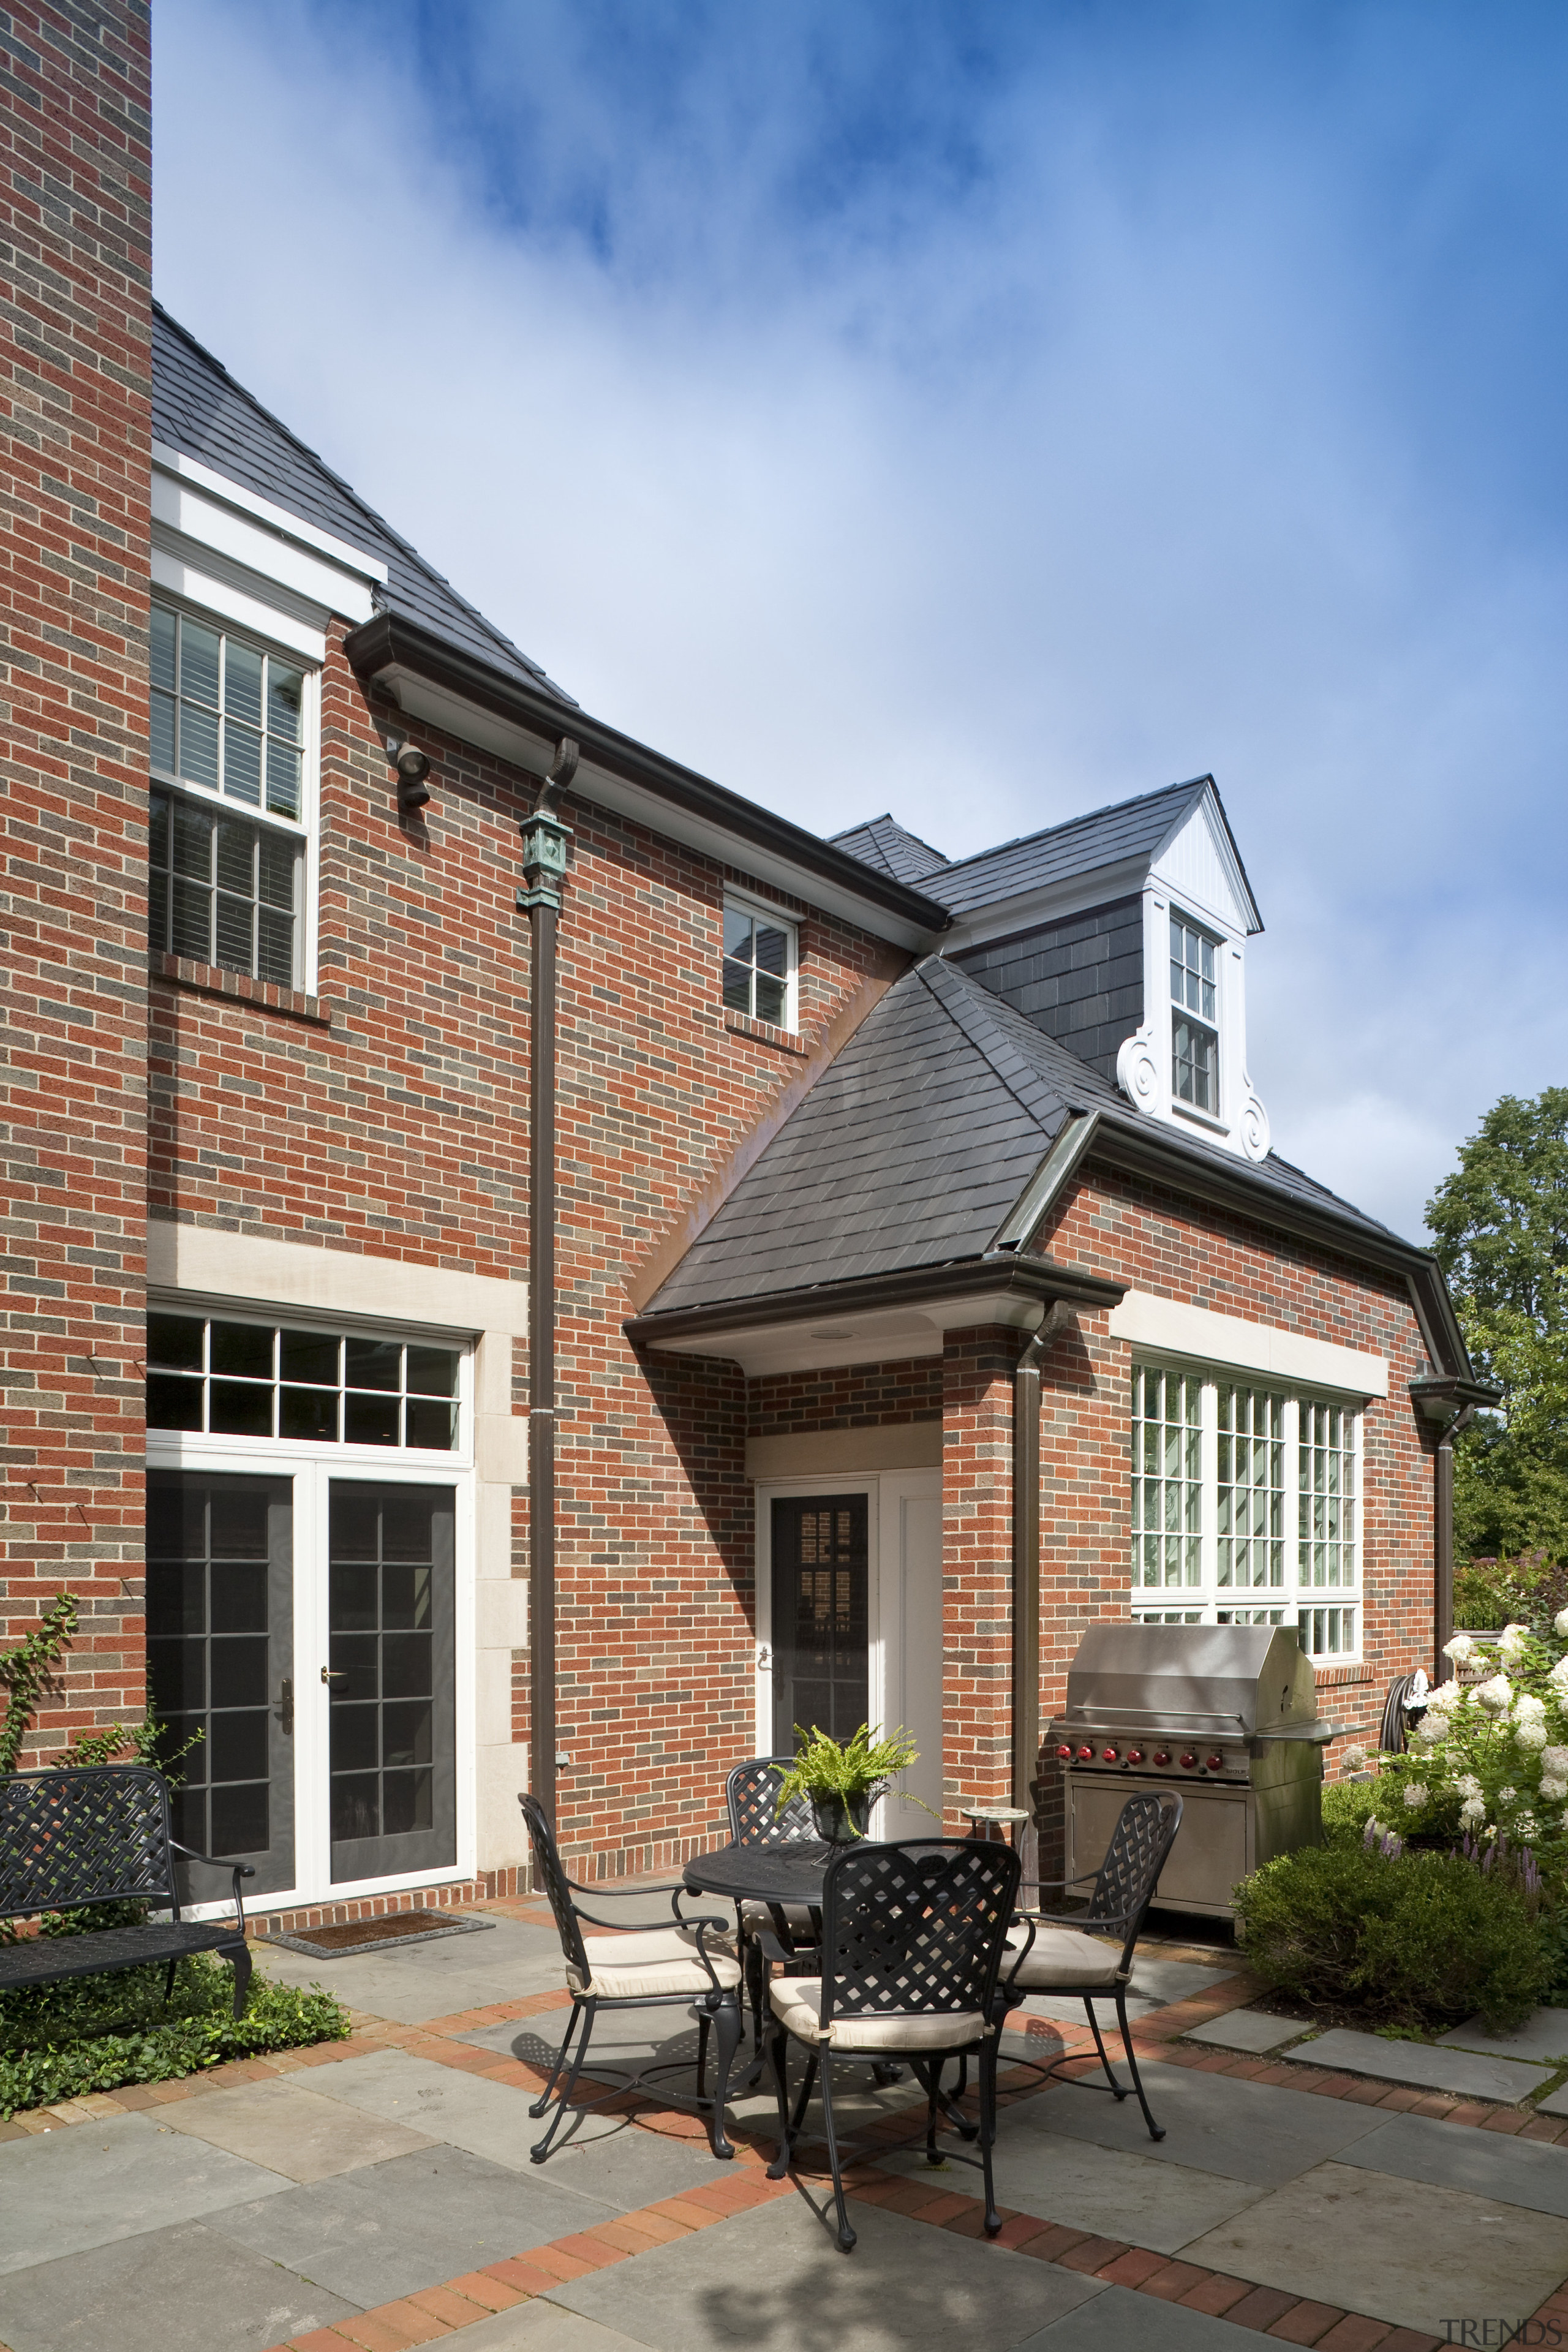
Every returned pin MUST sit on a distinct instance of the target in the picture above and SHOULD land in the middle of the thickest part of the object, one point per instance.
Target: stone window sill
(261, 995)
(741, 1024)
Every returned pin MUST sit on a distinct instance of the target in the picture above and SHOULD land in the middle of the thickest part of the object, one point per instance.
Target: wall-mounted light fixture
(413, 766)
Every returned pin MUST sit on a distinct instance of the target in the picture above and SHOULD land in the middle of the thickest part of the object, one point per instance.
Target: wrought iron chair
(913, 1935)
(756, 1818)
(679, 1962)
(1057, 1957)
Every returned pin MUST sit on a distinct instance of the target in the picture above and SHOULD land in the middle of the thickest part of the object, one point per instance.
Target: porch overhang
(875, 1318)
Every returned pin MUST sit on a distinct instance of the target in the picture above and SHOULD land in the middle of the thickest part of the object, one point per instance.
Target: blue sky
(982, 412)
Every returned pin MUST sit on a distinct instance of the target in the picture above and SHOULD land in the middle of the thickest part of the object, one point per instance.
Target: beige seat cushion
(798, 2003)
(1059, 1956)
(798, 1919)
(659, 1960)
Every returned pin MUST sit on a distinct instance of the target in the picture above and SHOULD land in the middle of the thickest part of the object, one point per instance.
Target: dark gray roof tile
(200, 410)
(887, 846)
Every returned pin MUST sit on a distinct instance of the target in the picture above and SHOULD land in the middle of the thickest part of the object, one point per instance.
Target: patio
(378, 2193)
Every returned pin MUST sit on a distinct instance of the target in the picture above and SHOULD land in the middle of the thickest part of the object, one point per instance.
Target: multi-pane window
(1195, 1017)
(1245, 1497)
(1167, 1477)
(223, 891)
(229, 724)
(1249, 1488)
(226, 715)
(253, 1379)
(759, 964)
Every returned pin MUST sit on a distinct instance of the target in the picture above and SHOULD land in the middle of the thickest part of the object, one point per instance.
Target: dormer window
(1195, 1021)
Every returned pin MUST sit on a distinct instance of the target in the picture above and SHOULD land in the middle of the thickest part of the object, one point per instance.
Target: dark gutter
(1033, 1278)
(390, 640)
(1130, 1142)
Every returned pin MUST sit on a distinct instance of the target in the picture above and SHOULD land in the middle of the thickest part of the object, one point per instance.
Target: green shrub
(1348, 1806)
(1424, 1940)
(96, 2033)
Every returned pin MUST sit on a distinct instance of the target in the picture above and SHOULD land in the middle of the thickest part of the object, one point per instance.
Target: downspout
(545, 841)
(1027, 1563)
(1442, 1537)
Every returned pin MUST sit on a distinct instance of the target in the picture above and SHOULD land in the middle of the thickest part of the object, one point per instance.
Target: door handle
(286, 1703)
(329, 1675)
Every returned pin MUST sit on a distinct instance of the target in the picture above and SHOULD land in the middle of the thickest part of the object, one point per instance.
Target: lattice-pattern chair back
(756, 1817)
(1143, 1836)
(556, 1887)
(88, 1833)
(917, 1924)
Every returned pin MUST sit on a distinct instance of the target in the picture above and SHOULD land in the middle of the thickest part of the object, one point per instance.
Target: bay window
(1244, 1508)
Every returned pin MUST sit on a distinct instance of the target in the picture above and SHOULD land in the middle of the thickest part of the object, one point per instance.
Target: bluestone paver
(87, 2184)
(1120, 2321)
(1489, 2164)
(1247, 2029)
(1543, 2037)
(1243, 2131)
(185, 2289)
(290, 2129)
(1462, 2072)
(1404, 2251)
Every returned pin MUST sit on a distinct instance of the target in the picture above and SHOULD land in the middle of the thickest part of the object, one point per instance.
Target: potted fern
(842, 1782)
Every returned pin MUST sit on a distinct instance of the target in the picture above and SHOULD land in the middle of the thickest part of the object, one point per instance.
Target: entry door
(390, 1669)
(820, 1617)
(220, 1578)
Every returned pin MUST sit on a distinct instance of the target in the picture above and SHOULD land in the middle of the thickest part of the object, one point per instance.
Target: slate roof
(886, 845)
(1132, 828)
(913, 1147)
(200, 410)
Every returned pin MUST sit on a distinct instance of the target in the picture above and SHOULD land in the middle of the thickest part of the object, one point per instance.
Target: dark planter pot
(842, 1820)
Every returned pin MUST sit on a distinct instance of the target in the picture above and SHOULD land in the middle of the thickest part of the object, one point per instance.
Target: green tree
(1499, 1226)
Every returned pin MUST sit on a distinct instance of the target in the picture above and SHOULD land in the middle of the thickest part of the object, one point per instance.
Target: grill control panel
(1141, 1754)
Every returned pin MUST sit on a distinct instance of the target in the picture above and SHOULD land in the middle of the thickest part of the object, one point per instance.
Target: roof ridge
(972, 1018)
(1088, 817)
(356, 498)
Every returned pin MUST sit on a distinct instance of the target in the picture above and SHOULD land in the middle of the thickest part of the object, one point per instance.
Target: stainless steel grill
(1228, 1713)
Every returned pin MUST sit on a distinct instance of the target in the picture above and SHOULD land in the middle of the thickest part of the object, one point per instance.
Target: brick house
(919, 1283)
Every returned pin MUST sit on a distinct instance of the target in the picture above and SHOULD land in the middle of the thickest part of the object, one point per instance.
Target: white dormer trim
(219, 546)
(1195, 874)
(277, 519)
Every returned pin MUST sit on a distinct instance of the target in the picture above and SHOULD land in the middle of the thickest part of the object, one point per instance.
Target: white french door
(312, 1618)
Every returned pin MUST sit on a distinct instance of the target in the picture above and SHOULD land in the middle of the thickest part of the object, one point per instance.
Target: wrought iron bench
(99, 1834)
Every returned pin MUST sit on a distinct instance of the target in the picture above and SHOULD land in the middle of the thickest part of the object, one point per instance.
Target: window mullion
(1209, 1476)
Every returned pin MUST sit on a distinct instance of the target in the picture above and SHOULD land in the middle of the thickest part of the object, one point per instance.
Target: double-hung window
(760, 951)
(1195, 1017)
(1245, 1507)
(229, 830)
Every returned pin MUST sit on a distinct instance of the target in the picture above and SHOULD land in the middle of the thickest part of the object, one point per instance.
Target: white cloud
(1109, 462)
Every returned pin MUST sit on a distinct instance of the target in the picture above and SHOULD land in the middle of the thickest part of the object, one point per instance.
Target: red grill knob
(1086, 1755)
(1216, 1763)
(1135, 1756)
(1110, 1754)
(1162, 1755)
(1064, 1753)
(1189, 1760)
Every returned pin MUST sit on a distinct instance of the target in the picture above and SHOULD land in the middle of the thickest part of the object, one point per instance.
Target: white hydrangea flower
(1558, 1677)
(1530, 1734)
(1529, 1708)
(1416, 1794)
(1555, 1761)
(1497, 1695)
(1506, 1796)
(1552, 1787)
(1467, 1785)
(1560, 1624)
(1472, 1813)
(1354, 1759)
(1431, 1731)
(1460, 1648)
(1511, 1644)
(1524, 1827)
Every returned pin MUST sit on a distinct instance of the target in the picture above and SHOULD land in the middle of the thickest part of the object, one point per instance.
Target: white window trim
(1291, 1597)
(1218, 1118)
(767, 910)
(307, 827)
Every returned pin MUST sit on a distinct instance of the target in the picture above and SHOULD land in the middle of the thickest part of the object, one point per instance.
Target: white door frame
(885, 1491)
(311, 1469)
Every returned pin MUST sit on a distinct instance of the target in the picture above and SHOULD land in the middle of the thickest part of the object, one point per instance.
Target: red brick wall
(75, 392)
(1156, 1242)
(847, 1396)
(977, 1567)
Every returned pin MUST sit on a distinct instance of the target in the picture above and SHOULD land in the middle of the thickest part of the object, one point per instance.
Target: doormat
(384, 1935)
